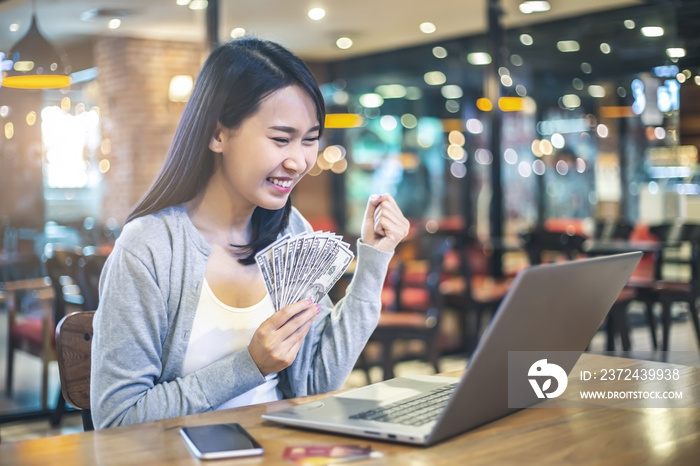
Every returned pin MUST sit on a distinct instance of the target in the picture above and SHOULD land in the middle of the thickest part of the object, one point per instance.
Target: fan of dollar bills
(303, 266)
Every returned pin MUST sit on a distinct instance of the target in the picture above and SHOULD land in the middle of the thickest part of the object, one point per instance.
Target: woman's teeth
(284, 184)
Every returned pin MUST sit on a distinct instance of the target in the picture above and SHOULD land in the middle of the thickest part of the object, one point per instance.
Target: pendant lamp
(36, 63)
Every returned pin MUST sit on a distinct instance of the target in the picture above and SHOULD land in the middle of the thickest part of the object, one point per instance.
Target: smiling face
(263, 159)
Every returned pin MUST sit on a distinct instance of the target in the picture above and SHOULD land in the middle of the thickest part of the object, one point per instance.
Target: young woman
(185, 324)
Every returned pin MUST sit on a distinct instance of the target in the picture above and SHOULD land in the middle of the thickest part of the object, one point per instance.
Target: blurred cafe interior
(523, 131)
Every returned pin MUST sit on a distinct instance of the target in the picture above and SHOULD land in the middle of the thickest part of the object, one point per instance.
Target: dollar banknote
(303, 266)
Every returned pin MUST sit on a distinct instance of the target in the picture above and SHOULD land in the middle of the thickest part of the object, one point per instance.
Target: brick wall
(137, 117)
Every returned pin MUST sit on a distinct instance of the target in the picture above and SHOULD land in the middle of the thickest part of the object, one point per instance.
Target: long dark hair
(229, 88)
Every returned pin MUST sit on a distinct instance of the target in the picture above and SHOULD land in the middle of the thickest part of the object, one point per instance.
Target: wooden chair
(419, 320)
(668, 291)
(74, 350)
(616, 320)
(86, 268)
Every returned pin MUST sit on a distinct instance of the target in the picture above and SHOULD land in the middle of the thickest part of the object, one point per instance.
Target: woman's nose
(295, 160)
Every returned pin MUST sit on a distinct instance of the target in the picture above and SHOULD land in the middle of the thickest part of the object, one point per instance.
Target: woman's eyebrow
(291, 130)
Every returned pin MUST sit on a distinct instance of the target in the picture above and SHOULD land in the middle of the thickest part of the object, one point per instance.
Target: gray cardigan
(149, 290)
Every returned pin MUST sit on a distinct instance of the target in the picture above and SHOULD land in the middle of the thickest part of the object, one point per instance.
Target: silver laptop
(554, 307)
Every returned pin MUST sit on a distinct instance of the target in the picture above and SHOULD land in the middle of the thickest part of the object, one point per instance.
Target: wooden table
(530, 436)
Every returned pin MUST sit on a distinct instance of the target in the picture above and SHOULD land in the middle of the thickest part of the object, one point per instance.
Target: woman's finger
(295, 340)
(275, 344)
(298, 319)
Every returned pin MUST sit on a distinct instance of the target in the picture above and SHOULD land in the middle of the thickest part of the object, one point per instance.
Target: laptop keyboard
(411, 412)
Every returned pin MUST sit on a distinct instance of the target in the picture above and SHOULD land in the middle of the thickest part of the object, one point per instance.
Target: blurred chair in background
(90, 267)
(33, 331)
(469, 288)
(608, 230)
(544, 246)
(680, 254)
(30, 325)
(416, 313)
(70, 285)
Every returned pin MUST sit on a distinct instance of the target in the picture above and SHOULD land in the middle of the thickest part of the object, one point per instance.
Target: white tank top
(219, 330)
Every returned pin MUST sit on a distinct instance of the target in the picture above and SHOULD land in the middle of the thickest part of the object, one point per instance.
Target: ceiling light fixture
(435, 78)
(37, 64)
(597, 91)
(198, 5)
(237, 32)
(427, 28)
(439, 52)
(479, 58)
(531, 6)
(526, 39)
(391, 91)
(568, 46)
(317, 13)
(371, 100)
(652, 31)
(675, 52)
(344, 43)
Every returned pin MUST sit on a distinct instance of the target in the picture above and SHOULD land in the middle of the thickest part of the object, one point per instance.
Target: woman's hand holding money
(276, 342)
(384, 226)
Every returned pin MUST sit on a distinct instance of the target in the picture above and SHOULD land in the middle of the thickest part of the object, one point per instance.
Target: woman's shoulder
(160, 229)
(153, 224)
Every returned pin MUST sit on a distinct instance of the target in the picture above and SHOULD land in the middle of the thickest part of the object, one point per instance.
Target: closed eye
(281, 140)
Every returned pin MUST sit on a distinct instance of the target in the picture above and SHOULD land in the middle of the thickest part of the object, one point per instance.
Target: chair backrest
(674, 235)
(538, 242)
(612, 229)
(61, 263)
(676, 232)
(74, 351)
(89, 270)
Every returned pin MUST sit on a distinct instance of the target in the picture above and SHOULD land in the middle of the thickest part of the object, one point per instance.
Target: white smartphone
(216, 441)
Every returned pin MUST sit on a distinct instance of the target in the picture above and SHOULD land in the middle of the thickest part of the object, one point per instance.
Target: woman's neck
(218, 217)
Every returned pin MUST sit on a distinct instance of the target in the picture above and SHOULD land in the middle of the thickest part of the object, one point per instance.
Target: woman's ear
(215, 141)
